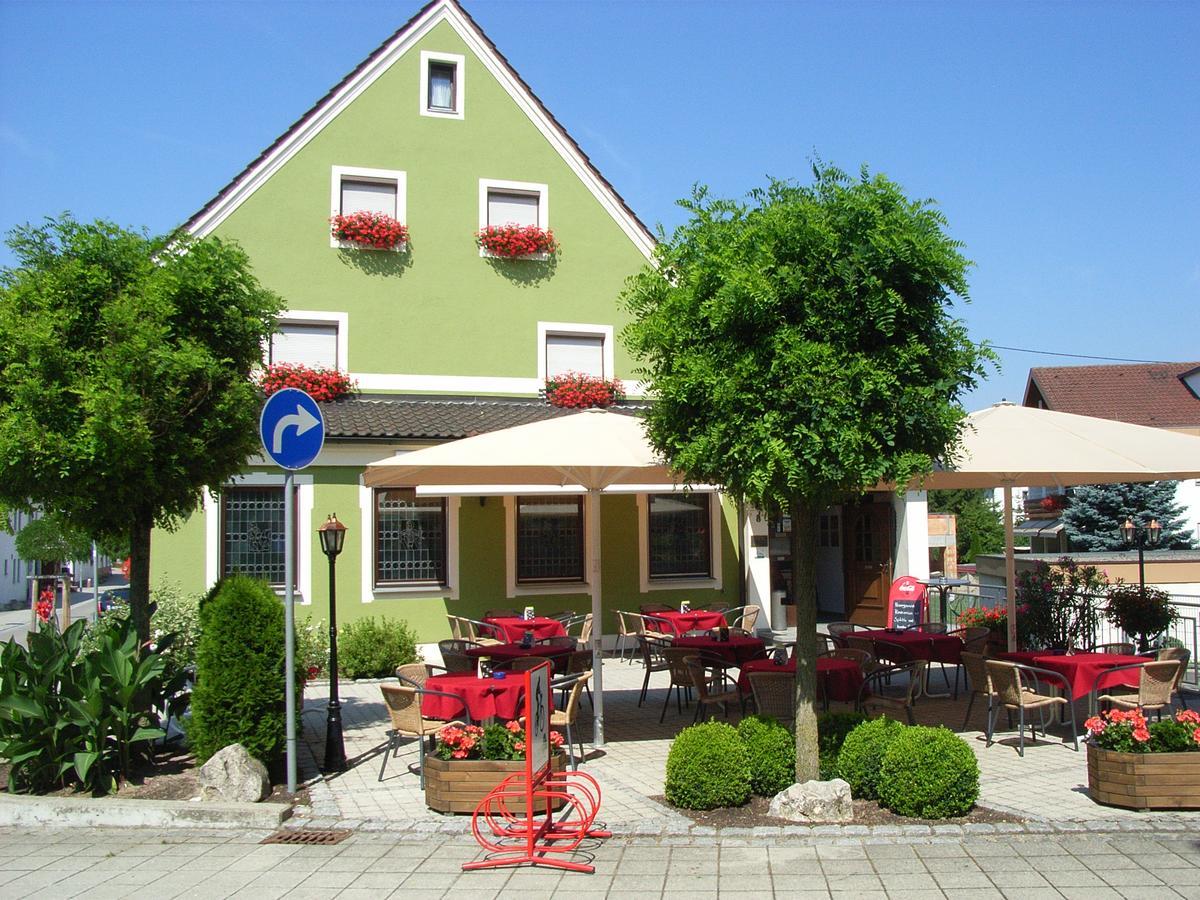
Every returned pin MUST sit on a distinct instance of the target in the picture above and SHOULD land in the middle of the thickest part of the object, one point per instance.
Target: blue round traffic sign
(292, 428)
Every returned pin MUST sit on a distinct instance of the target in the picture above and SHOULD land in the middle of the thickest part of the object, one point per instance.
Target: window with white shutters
(574, 353)
(309, 344)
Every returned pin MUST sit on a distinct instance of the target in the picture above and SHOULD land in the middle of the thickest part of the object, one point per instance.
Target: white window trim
(714, 582)
(460, 84)
(370, 593)
(523, 187)
(510, 555)
(383, 176)
(320, 317)
(573, 329)
(304, 509)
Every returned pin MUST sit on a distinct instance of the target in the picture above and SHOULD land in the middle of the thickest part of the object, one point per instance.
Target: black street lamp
(333, 535)
(1143, 535)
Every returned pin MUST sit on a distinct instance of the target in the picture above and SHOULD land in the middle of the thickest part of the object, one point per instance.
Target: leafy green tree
(979, 527)
(1094, 516)
(50, 539)
(125, 387)
(800, 351)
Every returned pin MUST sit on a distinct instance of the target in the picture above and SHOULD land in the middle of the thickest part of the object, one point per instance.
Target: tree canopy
(125, 366)
(979, 526)
(800, 349)
(1096, 511)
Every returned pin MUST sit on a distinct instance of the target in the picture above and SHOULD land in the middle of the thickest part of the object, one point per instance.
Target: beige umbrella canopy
(1007, 445)
(590, 450)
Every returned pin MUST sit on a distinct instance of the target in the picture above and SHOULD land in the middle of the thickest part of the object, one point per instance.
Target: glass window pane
(253, 533)
(512, 209)
(679, 536)
(549, 539)
(441, 86)
(410, 538)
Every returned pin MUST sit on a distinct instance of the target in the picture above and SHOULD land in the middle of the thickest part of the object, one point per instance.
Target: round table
(1081, 669)
(479, 698)
(740, 648)
(842, 677)
(509, 652)
(676, 622)
(514, 627)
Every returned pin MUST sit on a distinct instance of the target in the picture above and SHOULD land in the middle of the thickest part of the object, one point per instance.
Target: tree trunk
(139, 574)
(804, 592)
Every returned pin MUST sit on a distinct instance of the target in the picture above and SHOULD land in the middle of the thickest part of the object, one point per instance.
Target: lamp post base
(335, 748)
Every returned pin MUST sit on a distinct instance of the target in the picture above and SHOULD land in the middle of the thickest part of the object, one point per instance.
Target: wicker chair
(931, 627)
(480, 632)
(653, 647)
(525, 663)
(774, 694)
(1009, 682)
(1184, 656)
(501, 613)
(565, 717)
(681, 678)
(975, 666)
(456, 630)
(577, 663)
(1119, 648)
(1156, 683)
(583, 626)
(838, 630)
(877, 689)
(744, 617)
(629, 627)
(865, 660)
(403, 703)
(707, 691)
(454, 655)
(415, 674)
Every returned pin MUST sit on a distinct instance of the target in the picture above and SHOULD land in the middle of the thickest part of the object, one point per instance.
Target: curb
(86, 812)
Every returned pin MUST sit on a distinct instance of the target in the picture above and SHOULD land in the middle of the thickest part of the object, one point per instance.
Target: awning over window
(1039, 527)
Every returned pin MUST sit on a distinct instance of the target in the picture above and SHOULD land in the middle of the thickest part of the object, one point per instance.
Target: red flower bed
(514, 241)
(320, 384)
(575, 390)
(370, 229)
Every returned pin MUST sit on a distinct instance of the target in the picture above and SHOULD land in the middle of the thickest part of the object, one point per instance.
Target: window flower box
(369, 230)
(517, 241)
(1139, 765)
(321, 384)
(574, 390)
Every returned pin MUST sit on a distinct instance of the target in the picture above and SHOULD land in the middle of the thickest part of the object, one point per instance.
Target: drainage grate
(309, 836)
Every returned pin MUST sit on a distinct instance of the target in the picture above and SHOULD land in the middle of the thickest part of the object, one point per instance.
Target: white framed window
(546, 546)
(412, 566)
(574, 347)
(512, 203)
(679, 541)
(355, 189)
(311, 338)
(443, 84)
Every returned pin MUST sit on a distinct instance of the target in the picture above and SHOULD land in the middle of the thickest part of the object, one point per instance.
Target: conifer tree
(1094, 516)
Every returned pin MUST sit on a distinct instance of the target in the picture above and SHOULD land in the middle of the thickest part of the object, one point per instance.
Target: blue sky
(1061, 140)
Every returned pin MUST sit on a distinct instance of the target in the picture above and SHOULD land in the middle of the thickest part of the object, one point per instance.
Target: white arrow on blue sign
(292, 428)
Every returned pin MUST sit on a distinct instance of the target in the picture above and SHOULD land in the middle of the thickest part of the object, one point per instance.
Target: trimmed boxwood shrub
(708, 767)
(771, 750)
(928, 773)
(239, 692)
(370, 649)
(832, 729)
(862, 753)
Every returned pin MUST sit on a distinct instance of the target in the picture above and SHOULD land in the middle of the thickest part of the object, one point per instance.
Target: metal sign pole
(289, 638)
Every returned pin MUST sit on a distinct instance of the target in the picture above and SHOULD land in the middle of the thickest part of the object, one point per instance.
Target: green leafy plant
(707, 767)
(312, 648)
(239, 693)
(771, 751)
(1059, 601)
(1128, 731)
(862, 754)
(832, 728)
(370, 649)
(1144, 612)
(929, 773)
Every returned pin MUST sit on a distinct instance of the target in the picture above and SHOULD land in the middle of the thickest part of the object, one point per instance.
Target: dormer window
(442, 84)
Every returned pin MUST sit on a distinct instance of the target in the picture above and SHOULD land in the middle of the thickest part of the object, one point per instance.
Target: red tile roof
(1151, 394)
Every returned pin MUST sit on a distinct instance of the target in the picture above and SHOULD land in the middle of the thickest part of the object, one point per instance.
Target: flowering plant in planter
(45, 605)
(515, 241)
(319, 383)
(1127, 731)
(370, 229)
(1143, 612)
(994, 619)
(575, 390)
(493, 741)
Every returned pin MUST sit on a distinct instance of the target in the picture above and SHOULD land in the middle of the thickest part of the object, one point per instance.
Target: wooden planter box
(457, 785)
(1144, 780)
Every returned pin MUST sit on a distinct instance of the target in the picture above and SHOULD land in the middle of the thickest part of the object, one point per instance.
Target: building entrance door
(869, 529)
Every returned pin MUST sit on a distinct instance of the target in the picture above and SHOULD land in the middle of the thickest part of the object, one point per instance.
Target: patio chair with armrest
(1009, 681)
(681, 679)
(1184, 656)
(454, 655)
(1156, 683)
(975, 667)
(744, 617)
(480, 632)
(403, 702)
(455, 627)
(708, 689)
(525, 663)
(878, 690)
(864, 658)
(974, 637)
(652, 624)
(566, 716)
(565, 616)
(580, 628)
(652, 647)
(774, 694)
(1118, 648)
(417, 674)
(577, 663)
(629, 626)
(838, 630)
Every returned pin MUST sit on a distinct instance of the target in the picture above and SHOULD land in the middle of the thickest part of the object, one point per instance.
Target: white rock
(814, 801)
(235, 776)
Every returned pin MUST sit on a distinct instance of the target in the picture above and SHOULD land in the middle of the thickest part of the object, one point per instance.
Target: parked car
(111, 598)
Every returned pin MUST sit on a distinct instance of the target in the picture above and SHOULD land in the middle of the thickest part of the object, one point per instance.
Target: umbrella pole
(597, 621)
(1010, 568)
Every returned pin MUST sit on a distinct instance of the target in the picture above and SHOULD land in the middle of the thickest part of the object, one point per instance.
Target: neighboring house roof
(1154, 394)
(428, 419)
(326, 109)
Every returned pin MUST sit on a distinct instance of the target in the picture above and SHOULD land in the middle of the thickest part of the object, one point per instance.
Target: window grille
(549, 539)
(680, 542)
(252, 528)
(410, 538)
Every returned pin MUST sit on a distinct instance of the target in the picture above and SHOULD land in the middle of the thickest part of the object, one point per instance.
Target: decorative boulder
(814, 801)
(232, 774)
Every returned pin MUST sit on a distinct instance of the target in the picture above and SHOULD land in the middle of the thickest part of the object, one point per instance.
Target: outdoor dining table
(842, 677)
(480, 698)
(930, 646)
(683, 622)
(1080, 669)
(738, 649)
(505, 653)
(514, 627)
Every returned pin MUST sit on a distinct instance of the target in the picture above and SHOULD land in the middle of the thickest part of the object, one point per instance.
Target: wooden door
(868, 560)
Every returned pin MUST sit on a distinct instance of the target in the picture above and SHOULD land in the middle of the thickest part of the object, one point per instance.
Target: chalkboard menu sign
(906, 613)
(906, 603)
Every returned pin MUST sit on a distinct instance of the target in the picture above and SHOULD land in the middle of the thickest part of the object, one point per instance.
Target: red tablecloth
(683, 622)
(921, 644)
(738, 649)
(842, 677)
(482, 698)
(514, 628)
(1081, 669)
(509, 652)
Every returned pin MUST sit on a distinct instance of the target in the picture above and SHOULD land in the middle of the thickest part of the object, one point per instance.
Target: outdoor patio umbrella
(590, 451)
(1007, 445)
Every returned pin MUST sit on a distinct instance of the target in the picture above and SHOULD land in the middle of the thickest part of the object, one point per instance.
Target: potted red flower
(370, 230)
(319, 383)
(1139, 764)
(575, 390)
(517, 241)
